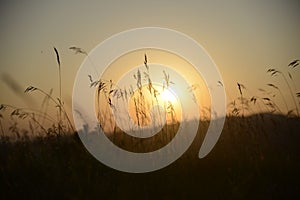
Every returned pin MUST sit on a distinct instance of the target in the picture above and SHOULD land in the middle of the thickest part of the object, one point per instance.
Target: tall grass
(266, 101)
(107, 90)
(274, 72)
(256, 156)
(59, 99)
(36, 118)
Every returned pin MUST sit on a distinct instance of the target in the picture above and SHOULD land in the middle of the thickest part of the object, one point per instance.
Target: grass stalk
(291, 93)
(60, 88)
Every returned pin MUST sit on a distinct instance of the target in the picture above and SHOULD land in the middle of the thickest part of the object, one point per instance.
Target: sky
(244, 38)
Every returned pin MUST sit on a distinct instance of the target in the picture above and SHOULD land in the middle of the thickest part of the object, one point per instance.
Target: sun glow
(143, 92)
(168, 96)
(142, 101)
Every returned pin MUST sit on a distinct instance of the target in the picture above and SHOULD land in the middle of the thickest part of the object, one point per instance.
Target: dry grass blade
(59, 102)
(3, 107)
(273, 72)
(57, 56)
(30, 89)
(290, 112)
(102, 86)
(294, 63)
(91, 79)
(290, 76)
(60, 99)
(145, 62)
(253, 99)
(78, 50)
(272, 85)
(93, 83)
(46, 98)
(139, 79)
(166, 78)
(193, 87)
(111, 91)
(15, 112)
(240, 87)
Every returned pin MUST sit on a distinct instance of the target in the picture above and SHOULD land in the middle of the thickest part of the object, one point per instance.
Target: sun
(142, 105)
(168, 96)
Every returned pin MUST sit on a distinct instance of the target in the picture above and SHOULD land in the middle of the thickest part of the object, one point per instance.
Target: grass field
(257, 157)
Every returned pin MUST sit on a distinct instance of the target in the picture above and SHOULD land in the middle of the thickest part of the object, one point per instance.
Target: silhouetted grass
(256, 157)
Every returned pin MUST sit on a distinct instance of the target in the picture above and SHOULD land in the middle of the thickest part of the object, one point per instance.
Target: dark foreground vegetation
(256, 157)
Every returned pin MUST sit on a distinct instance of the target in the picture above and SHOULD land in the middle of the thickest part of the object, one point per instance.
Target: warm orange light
(168, 96)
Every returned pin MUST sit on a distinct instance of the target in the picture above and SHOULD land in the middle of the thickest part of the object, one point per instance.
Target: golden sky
(244, 38)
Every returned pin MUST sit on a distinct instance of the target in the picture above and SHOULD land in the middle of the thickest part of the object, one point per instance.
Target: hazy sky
(244, 38)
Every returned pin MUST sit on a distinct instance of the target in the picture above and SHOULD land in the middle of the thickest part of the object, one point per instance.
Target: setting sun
(168, 96)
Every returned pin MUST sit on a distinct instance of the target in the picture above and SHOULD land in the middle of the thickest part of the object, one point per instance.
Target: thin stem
(295, 87)
(31, 111)
(62, 109)
(1, 126)
(60, 101)
(287, 108)
(242, 100)
(40, 125)
(291, 93)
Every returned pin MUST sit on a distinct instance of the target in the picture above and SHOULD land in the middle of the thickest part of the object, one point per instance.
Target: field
(257, 157)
